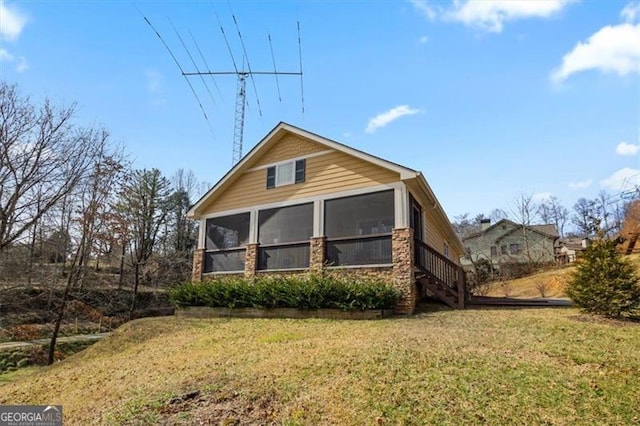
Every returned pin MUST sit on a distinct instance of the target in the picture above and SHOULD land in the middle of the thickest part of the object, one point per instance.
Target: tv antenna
(242, 75)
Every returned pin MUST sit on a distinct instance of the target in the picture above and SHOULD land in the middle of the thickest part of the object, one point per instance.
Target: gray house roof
(547, 230)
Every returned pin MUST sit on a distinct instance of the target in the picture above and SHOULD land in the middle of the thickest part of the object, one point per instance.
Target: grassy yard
(526, 366)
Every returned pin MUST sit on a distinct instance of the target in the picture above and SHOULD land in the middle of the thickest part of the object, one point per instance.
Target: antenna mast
(238, 129)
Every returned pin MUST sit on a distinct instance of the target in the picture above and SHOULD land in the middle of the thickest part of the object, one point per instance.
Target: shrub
(301, 292)
(605, 284)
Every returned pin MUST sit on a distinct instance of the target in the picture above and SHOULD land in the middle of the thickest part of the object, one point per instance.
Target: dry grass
(552, 283)
(535, 366)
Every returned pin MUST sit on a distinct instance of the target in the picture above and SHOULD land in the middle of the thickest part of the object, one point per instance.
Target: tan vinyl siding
(289, 146)
(325, 174)
(436, 238)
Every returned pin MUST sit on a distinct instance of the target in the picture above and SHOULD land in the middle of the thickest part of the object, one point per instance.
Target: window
(358, 229)
(446, 250)
(503, 250)
(514, 248)
(286, 173)
(494, 251)
(284, 235)
(359, 215)
(285, 224)
(227, 232)
(225, 238)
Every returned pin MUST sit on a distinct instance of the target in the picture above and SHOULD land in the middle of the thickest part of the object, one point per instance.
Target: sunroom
(348, 230)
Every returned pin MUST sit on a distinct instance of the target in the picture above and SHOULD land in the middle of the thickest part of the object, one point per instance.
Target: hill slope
(444, 367)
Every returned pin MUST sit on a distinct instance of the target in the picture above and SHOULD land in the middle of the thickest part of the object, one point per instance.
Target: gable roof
(274, 136)
(546, 230)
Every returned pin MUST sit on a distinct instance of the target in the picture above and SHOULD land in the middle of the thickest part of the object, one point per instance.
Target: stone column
(198, 265)
(403, 276)
(251, 260)
(316, 262)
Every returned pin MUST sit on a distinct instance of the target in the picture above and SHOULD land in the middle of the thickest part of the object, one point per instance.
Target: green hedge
(301, 292)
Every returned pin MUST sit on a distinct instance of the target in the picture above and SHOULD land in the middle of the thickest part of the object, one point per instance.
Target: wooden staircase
(632, 243)
(439, 277)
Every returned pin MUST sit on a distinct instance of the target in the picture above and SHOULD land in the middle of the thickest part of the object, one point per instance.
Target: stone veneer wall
(316, 263)
(403, 275)
(198, 265)
(251, 260)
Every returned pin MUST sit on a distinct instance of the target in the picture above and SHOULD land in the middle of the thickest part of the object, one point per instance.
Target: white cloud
(154, 80)
(612, 49)
(423, 40)
(425, 8)
(581, 184)
(12, 21)
(623, 179)
(491, 15)
(624, 148)
(387, 117)
(631, 12)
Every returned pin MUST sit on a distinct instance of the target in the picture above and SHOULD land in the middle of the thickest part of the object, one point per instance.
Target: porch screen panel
(358, 229)
(227, 232)
(285, 224)
(367, 214)
(225, 239)
(224, 260)
(284, 235)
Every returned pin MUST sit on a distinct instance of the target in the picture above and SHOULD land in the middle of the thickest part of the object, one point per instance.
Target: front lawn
(485, 366)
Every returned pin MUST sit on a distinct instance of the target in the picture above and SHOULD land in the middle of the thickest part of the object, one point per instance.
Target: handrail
(360, 237)
(428, 259)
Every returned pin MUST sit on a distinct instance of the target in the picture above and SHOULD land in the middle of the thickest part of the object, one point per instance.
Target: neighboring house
(509, 242)
(298, 202)
(571, 249)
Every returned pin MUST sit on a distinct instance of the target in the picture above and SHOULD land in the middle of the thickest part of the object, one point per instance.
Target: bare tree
(552, 211)
(88, 199)
(42, 158)
(524, 211)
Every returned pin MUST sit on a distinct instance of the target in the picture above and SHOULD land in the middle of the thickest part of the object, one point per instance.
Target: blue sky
(489, 99)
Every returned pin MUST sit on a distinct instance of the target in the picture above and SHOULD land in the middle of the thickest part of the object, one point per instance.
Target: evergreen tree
(605, 284)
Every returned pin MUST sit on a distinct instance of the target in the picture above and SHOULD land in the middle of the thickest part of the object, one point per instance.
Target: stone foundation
(198, 265)
(251, 260)
(316, 262)
(403, 275)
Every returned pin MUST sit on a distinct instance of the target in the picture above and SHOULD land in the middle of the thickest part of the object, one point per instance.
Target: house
(507, 242)
(300, 202)
(571, 249)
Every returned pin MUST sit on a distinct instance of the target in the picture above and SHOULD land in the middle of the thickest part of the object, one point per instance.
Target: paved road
(76, 338)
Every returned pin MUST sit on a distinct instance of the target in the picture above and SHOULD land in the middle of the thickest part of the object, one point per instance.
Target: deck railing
(437, 265)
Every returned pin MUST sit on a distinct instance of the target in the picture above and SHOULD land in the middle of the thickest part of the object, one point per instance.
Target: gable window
(286, 173)
(514, 248)
(225, 241)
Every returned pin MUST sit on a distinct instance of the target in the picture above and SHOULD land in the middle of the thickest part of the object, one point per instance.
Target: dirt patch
(220, 408)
